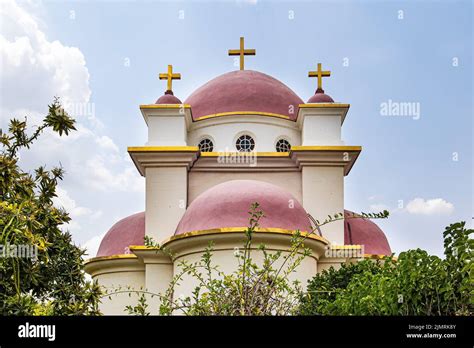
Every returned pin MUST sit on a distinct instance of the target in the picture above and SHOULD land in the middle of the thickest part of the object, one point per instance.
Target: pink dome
(319, 97)
(168, 98)
(227, 205)
(365, 232)
(244, 90)
(126, 232)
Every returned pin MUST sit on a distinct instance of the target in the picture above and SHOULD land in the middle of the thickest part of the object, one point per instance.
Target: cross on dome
(169, 76)
(242, 52)
(319, 74)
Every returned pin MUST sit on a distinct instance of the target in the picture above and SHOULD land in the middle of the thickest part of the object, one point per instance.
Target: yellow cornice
(111, 257)
(143, 247)
(345, 247)
(326, 148)
(165, 106)
(323, 105)
(249, 154)
(232, 113)
(163, 149)
(378, 256)
(242, 229)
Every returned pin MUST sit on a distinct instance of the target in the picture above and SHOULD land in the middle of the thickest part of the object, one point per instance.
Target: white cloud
(76, 212)
(65, 201)
(92, 245)
(34, 70)
(106, 143)
(100, 177)
(379, 207)
(429, 207)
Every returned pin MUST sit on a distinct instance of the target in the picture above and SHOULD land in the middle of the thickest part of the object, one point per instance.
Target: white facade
(177, 172)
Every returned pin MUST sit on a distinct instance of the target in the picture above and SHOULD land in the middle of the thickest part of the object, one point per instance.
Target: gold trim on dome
(163, 149)
(378, 256)
(326, 148)
(323, 105)
(143, 247)
(249, 154)
(345, 247)
(110, 257)
(233, 113)
(243, 229)
(165, 106)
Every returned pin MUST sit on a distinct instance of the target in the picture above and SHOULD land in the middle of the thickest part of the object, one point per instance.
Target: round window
(206, 145)
(283, 145)
(245, 143)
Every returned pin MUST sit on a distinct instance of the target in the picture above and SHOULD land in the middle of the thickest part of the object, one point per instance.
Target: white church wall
(200, 181)
(191, 250)
(226, 129)
(165, 203)
(166, 131)
(321, 130)
(115, 280)
(323, 195)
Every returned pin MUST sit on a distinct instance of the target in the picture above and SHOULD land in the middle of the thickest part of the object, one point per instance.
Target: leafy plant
(251, 290)
(414, 284)
(53, 282)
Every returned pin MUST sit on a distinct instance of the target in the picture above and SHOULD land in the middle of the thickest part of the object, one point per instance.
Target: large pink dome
(365, 232)
(126, 232)
(227, 205)
(244, 90)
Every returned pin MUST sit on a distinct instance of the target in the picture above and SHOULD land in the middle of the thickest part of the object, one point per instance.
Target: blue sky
(418, 52)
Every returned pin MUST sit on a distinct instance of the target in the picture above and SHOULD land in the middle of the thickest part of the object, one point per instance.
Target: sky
(103, 58)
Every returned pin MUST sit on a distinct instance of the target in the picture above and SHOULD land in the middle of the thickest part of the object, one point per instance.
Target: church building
(242, 137)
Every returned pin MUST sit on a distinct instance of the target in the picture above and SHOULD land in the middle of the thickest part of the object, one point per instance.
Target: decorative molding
(243, 229)
(326, 156)
(232, 113)
(165, 106)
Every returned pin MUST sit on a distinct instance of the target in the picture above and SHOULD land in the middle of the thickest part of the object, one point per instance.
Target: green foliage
(415, 284)
(253, 289)
(140, 308)
(53, 282)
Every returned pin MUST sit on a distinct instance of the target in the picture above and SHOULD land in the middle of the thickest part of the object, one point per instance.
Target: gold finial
(242, 52)
(170, 77)
(319, 74)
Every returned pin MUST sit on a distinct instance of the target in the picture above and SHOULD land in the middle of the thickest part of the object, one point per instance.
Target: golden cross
(170, 77)
(319, 74)
(242, 52)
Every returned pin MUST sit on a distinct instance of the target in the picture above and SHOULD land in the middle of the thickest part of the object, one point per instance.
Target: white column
(166, 199)
(323, 195)
(158, 274)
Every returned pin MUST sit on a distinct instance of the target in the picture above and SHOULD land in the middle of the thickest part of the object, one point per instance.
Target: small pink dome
(244, 90)
(227, 205)
(365, 232)
(320, 97)
(168, 98)
(126, 232)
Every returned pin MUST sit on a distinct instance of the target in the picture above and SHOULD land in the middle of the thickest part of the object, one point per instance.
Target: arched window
(283, 145)
(245, 143)
(206, 145)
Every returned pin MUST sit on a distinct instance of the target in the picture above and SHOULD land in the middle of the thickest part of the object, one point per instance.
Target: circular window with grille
(206, 145)
(283, 145)
(245, 143)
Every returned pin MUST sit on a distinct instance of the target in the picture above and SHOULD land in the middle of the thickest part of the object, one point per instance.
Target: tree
(254, 288)
(50, 280)
(415, 283)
